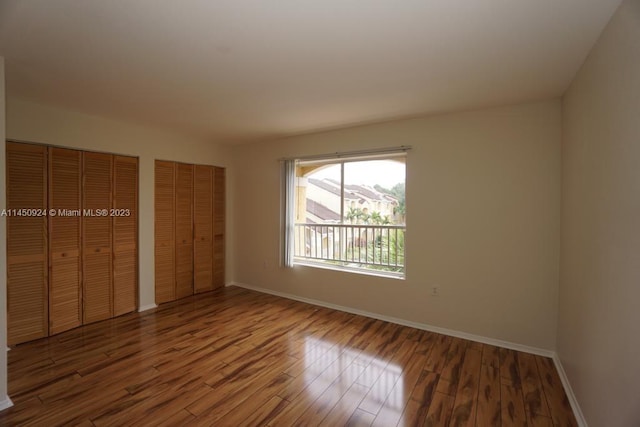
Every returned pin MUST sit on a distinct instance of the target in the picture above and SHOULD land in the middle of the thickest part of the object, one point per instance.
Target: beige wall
(599, 312)
(27, 121)
(3, 247)
(483, 214)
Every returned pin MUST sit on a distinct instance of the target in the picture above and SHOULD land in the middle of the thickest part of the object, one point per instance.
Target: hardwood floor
(234, 357)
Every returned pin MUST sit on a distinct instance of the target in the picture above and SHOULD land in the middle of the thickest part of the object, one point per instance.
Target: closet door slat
(65, 191)
(27, 259)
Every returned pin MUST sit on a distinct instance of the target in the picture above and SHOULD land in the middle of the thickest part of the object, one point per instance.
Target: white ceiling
(242, 70)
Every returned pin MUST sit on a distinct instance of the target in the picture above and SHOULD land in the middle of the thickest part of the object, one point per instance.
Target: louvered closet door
(184, 230)
(203, 228)
(27, 299)
(218, 227)
(65, 309)
(165, 260)
(125, 234)
(96, 241)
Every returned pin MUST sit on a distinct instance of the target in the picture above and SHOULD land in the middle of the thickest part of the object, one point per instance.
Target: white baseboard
(403, 322)
(147, 307)
(577, 411)
(5, 403)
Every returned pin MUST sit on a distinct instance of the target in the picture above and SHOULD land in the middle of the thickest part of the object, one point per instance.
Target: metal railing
(372, 247)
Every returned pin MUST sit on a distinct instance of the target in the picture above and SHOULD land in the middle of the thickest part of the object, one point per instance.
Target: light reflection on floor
(331, 370)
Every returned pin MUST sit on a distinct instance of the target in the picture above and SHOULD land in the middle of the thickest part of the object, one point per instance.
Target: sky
(387, 173)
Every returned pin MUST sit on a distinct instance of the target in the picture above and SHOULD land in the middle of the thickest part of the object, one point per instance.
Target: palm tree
(400, 211)
(353, 214)
(376, 218)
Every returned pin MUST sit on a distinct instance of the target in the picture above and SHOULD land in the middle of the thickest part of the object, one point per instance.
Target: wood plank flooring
(234, 357)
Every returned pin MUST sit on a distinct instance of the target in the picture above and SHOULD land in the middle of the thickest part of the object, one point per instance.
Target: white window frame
(288, 204)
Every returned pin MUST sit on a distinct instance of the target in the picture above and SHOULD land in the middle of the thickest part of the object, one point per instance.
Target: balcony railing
(370, 247)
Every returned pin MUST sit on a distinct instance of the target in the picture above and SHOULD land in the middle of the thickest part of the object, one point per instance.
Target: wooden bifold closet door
(72, 243)
(165, 220)
(65, 195)
(125, 234)
(184, 230)
(189, 229)
(97, 237)
(203, 228)
(218, 228)
(27, 259)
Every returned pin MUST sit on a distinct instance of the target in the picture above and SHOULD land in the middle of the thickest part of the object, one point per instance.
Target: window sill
(346, 269)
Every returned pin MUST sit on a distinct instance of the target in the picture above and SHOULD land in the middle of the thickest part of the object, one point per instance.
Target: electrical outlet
(435, 290)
